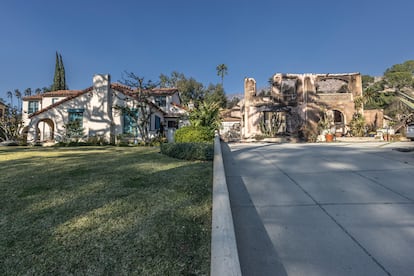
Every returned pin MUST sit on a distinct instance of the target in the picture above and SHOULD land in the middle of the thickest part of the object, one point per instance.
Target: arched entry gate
(339, 121)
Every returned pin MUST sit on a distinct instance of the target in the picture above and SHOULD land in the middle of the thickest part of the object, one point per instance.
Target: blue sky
(253, 38)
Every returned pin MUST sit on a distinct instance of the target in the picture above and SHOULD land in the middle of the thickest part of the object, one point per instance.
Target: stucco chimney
(101, 82)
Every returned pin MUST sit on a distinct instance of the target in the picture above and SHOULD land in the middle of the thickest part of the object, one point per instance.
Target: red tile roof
(58, 93)
(163, 91)
(32, 97)
(76, 93)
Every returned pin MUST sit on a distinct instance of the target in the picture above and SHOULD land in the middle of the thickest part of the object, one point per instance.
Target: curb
(224, 254)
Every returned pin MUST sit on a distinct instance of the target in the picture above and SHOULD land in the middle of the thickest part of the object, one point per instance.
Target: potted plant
(329, 137)
(324, 125)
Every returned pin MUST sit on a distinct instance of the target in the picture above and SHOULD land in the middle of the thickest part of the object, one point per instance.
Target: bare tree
(141, 109)
(10, 125)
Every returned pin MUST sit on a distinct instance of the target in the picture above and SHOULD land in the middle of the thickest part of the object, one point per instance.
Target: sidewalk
(322, 209)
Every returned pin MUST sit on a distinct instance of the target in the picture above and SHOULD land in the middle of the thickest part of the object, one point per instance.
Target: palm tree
(10, 95)
(221, 71)
(18, 95)
(28, 92)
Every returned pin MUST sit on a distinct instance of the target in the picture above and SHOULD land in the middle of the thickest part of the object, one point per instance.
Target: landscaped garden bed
(103, 210)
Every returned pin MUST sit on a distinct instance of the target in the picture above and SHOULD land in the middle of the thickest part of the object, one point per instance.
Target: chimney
(101, 82)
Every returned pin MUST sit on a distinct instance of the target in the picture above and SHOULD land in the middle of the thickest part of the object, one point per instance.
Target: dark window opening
(161, 101)
(33, 107)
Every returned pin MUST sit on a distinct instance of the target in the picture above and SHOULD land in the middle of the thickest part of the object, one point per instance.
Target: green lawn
(103, 210)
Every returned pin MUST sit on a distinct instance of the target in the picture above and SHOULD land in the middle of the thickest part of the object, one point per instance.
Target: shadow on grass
(128, 211)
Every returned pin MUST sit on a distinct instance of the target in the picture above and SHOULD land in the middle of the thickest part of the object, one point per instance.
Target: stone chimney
(249, 88)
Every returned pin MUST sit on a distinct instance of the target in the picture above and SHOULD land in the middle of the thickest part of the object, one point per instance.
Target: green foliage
(400, 75)
(271, 128)
(207, 114)
(189, 151)
(367, 80)
(400, 79)
(74, 131)
(221, 71)
(380, 100)
(407, 66)
(190, 134)
(357, 125)
(190, 89)
(215, 94)
(59, 79)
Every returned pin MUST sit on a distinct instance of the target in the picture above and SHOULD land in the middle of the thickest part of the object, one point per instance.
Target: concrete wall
(224, 254)
(374, 117)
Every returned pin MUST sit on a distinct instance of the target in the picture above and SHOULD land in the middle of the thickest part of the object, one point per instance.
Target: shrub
(194, 134)
(357, 125)
(97, 140)
(189, 151)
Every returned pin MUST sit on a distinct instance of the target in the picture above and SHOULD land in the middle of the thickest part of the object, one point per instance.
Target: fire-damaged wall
(299, 101)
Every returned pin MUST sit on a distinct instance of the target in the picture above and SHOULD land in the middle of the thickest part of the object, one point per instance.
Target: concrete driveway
(322, 209)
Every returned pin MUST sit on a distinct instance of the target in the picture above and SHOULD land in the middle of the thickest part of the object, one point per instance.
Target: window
(54, 100)
(172, 124)
(161, 101)
(157, 123)
(76, 115)
(130, 122)
(33, 106)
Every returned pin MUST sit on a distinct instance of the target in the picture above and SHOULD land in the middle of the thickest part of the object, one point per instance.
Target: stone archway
(339, 122)
(45, 130)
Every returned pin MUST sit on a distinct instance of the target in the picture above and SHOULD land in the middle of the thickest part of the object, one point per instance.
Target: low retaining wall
(224, 255)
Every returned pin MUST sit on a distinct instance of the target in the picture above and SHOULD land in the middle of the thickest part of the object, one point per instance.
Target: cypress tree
(62, 74)
(56, 78)
(59, 79)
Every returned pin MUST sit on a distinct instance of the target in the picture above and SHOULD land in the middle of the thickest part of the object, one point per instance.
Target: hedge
(189, 151)
(194, 134)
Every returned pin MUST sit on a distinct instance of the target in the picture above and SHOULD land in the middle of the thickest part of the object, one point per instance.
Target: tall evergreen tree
(62, 74)
(56, 78)
(59, 79)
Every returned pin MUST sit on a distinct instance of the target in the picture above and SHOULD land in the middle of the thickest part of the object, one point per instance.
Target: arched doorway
(339, 121)
(45, 130)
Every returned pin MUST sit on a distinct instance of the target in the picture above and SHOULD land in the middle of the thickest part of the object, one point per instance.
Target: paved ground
(322, 209)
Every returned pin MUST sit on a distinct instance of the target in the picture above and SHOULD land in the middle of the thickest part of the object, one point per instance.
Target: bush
(194, 134)
(189, 151)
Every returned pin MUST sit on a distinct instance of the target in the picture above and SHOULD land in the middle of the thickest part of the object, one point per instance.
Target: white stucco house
(97, 110)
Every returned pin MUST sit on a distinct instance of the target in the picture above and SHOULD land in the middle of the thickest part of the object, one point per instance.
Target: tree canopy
(221, 71)
(400, 75)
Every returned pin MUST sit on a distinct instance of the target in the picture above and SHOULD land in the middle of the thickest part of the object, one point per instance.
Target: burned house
(295, 103)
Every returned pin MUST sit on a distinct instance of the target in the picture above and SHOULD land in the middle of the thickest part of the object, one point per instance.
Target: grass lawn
(103, 210)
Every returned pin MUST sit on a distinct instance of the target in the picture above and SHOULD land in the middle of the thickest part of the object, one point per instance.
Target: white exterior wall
(172, 99)
(46, 101)
(25, 111)
(97, 115)
(100, 117)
